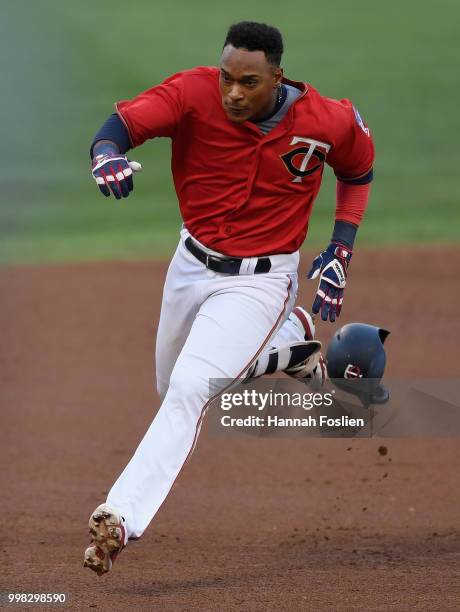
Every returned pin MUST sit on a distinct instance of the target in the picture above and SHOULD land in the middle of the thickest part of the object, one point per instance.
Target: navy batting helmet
(356, 361)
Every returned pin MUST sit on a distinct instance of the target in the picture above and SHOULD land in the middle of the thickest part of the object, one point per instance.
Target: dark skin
(249, 84)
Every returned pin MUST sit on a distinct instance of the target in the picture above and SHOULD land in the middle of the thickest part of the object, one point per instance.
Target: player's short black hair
(255, 36)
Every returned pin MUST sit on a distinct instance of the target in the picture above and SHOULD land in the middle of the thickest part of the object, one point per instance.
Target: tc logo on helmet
(352, 371)
(303, 161)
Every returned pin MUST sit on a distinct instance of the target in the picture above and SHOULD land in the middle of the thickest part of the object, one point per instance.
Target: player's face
(248, 84)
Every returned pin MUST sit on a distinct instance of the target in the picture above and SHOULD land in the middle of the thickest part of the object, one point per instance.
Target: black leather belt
(224, 265)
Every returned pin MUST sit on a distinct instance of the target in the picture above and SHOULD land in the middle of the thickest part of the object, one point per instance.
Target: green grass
(64, 64)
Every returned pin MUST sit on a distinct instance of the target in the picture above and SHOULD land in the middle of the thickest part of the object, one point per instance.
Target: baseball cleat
(108, 536)
(298, 356)
(312, 371)
(306, 361)
(304, 357)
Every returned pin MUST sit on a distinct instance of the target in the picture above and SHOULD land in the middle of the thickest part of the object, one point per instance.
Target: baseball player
(249, 148)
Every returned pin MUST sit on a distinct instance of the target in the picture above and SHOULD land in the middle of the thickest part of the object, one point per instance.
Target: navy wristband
(344, 233)
(114, 130)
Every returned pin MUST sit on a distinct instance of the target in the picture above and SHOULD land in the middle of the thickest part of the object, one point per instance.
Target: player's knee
(188, 384)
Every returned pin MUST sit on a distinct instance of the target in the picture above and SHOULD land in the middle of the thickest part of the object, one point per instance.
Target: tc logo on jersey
(305, 160)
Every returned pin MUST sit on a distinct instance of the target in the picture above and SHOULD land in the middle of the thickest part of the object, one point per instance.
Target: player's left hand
(331, 266)
(113, 173)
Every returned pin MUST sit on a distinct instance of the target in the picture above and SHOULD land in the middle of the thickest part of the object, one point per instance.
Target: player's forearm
(112, 137)
(352, 202)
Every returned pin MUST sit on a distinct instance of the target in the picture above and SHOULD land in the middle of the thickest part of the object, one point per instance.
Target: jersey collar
(298, 84)
(286, 122)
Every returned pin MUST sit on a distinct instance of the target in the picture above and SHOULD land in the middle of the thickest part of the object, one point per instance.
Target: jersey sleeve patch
(360, 122)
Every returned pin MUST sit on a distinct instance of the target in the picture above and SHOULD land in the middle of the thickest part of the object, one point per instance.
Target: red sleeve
(351, 202)
(352, 155)
(155, 112)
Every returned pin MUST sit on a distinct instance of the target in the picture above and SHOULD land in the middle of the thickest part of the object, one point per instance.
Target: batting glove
(331, 266)
(114, 173)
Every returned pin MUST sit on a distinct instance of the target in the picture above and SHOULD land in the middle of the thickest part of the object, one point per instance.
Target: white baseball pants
(212, 326)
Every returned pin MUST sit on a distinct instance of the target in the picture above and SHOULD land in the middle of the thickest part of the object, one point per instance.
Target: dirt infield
(252, 524)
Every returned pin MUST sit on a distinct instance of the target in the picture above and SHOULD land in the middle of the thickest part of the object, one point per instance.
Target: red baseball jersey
(241, 192)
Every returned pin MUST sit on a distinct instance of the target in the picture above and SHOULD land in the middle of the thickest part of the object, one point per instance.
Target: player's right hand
(114, 173)
(331, 266)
